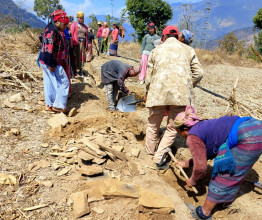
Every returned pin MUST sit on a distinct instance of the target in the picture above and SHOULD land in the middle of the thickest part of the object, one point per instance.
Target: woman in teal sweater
(146, 48)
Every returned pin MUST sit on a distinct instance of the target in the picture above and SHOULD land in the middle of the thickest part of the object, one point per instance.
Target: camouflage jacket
(172, 71)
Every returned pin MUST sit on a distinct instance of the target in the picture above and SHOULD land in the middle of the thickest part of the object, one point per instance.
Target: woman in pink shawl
(79, 33)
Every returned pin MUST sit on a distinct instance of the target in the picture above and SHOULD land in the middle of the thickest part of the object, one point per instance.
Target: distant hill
(246, 34)
(9, 7)
(226, 15)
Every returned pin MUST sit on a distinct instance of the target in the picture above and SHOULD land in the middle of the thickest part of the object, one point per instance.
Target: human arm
(199, 158)
(121, 82)
(50, 47)
(143, 45)
(196, 69)
(149, 72)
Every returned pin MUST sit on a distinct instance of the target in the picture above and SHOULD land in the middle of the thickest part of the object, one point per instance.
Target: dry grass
(219, 57)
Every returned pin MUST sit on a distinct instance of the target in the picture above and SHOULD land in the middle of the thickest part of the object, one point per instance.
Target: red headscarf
(61, 16)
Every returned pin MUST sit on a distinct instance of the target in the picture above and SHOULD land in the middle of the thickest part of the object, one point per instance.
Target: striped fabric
(224, 187)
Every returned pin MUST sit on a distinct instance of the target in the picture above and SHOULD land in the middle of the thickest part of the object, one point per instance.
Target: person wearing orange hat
(79, 33)
(172, 71)
(56, 83)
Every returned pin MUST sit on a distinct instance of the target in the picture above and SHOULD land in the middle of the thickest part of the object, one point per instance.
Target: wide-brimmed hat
(99, 22)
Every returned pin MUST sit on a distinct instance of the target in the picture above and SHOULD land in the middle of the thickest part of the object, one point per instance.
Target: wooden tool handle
(182, 171)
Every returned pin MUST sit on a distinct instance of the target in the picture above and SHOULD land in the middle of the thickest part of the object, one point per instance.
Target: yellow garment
(80, 14)
(172, 71)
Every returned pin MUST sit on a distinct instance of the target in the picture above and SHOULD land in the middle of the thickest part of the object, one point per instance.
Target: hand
(129, 93)
(181, 164)
(145, 98)
(188, 182)
(141, 56)
(52, 69)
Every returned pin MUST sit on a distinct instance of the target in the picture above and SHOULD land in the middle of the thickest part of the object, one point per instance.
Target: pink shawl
(74, 32)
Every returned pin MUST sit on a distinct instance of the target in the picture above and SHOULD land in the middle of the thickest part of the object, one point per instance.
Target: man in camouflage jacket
(173, 70)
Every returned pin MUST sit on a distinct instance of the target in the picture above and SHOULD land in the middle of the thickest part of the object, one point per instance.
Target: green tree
(142, 12)
(93, 23)
(257, 20)
(6, 21)
(44, 8)
(231, 45)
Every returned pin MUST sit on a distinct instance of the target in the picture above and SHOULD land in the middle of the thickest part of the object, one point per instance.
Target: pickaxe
(168, 151)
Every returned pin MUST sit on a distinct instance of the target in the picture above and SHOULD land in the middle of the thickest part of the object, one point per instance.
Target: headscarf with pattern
(187, 118)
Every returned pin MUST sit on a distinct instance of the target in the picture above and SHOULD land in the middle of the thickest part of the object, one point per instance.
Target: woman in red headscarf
(146, 48)
(56, 83)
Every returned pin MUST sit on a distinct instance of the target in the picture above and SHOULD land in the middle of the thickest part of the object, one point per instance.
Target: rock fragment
(80, 206)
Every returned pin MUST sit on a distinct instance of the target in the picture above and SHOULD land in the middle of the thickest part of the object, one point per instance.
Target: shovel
(128, 103)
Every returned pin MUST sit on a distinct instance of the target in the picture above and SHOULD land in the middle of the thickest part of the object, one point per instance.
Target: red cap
(170, 29)
(61, 16)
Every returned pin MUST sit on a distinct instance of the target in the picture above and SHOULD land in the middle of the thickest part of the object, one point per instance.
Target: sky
(98, 7)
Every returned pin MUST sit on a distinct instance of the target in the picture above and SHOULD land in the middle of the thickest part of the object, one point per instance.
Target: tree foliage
(257, 19)
(44, 8)
(93, 23)
(7, 21)
(142, 12)
(231, 45)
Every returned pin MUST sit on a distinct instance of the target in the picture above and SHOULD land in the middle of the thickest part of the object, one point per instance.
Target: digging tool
(256, 183)
(128, 103)
(168, 151)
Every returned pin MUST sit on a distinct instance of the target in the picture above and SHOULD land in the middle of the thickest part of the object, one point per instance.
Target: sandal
(49, 109)
(60, 110)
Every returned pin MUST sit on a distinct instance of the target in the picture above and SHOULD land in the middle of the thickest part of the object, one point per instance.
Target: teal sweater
(148, 42)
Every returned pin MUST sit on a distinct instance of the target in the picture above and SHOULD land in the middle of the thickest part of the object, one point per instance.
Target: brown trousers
(156, 115)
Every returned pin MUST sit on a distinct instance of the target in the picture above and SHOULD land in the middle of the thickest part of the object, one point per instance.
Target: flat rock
(56, 166)
(118, 148)
(80, 206)
(98, 210)
(91, 170)
(85, 156)
(18, 97)
(72, 112)
(115, 188)
(153, 202)
(99, 161)
(8, 104)
(58, 120)
(48, 184)
(64, 171)
(6, 179)
(38, 164)
(44, 145)
(15, 131)
(135, 152)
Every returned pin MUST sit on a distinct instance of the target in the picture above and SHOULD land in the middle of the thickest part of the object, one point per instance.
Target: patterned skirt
(80, 55)
(224, 187)
(113, 48)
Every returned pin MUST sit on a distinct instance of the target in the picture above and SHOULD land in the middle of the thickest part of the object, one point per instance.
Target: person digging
(235, 144)
(113, 76)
